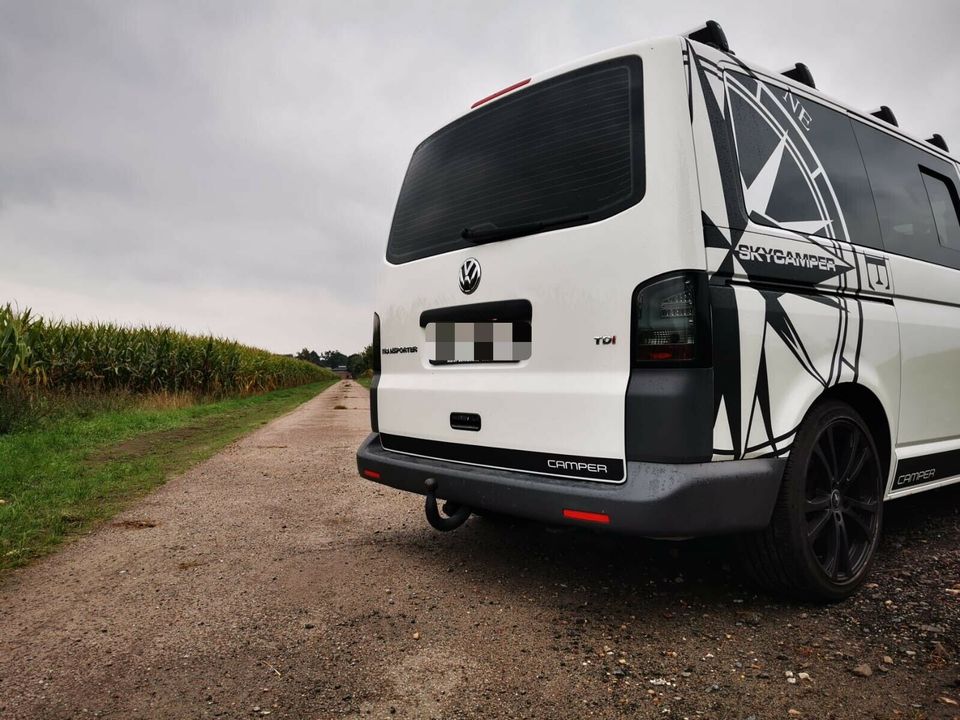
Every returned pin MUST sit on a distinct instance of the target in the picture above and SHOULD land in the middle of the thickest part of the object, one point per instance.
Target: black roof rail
(938, 141)
(801, 73)
(886, 114)
(710, 33)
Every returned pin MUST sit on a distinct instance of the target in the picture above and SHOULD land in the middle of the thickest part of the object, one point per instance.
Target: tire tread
(770, 557)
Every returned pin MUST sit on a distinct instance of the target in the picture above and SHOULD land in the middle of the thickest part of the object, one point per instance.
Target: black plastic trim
(800, 73)
(500, 311)
(657, 500)
(669, 415)
(710, 33)
(937, 141)
(886, 114)
(465, 421)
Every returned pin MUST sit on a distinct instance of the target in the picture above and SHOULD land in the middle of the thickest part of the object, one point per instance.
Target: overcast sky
(232, 167)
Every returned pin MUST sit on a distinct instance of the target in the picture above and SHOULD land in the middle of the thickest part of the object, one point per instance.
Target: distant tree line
(356, 364)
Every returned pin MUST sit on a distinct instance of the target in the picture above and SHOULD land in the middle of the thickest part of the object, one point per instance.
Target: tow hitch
(456, 515)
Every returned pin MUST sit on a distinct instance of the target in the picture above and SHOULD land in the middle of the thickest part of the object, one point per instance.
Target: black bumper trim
(656, 500)
(599, 469)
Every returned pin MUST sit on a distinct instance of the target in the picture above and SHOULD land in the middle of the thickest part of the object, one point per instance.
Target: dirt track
(275, 582)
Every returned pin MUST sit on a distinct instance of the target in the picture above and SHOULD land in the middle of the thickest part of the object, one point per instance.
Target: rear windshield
(563, 152)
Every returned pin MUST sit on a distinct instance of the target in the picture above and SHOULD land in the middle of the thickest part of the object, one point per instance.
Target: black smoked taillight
(375, 380)
(671, 321)
(375, 363)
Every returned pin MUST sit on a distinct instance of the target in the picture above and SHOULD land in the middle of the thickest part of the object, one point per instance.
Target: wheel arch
(866, 402)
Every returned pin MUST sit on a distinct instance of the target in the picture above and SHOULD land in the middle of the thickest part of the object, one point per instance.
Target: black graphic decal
(768, 166)
(926, 469)
(722, 141)
(790, 265)
(783, 326)
(712, 235)
(726, 378)
(877, 276)
(763, 398)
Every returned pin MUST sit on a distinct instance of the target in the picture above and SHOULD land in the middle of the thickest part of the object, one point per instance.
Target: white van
(666, 292)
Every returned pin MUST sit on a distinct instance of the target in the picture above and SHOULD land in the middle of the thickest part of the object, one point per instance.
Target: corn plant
(75, 356)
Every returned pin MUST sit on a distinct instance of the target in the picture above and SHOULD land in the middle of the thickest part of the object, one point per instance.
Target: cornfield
(38, 355)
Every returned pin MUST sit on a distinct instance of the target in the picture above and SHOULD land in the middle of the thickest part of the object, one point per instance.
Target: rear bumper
(657, 499)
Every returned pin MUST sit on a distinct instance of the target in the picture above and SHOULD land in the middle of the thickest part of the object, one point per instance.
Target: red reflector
(373, 474)
(498, 93)
(669, 351)
(587, 516)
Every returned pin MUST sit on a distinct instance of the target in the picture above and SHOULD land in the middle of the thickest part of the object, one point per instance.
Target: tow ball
(456, 515)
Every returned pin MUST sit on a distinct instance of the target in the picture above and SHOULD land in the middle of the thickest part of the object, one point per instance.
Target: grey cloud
(211, 165)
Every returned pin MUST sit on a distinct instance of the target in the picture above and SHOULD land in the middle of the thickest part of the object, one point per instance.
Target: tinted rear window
(567, 147)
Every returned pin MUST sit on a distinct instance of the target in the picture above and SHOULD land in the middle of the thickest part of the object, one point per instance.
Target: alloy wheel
(842, 501)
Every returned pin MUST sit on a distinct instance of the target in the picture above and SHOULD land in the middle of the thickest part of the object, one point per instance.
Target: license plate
(451, 343)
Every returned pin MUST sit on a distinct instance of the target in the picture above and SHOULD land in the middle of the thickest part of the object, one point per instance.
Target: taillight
(671, 322)
(375, 380)
(375, 364)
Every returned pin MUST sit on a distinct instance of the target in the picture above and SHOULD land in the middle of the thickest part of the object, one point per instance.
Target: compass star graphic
(780, 182)
(759, 193)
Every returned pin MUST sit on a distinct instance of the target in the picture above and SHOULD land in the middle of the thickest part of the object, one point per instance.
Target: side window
(943, 199)
(800, 164)
(908, 184)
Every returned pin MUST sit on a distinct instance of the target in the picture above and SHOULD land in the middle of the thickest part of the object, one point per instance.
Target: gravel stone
(516, 617)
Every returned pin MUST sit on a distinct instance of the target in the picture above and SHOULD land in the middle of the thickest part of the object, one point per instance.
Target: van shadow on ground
(500, 550)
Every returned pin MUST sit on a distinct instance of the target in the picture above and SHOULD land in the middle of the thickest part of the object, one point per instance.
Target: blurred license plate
(478, 342)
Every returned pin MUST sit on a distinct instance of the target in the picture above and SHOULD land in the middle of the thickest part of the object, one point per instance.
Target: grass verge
(67, 476)
(365, 381)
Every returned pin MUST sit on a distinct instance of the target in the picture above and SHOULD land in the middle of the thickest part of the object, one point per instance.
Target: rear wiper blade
(488, 232)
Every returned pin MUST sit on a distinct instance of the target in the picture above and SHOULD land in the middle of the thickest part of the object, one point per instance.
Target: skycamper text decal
(778, 256)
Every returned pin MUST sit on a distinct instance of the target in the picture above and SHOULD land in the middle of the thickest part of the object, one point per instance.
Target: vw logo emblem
(469, 275)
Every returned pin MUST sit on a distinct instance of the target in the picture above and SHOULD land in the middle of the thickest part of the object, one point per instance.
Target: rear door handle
(465, 421)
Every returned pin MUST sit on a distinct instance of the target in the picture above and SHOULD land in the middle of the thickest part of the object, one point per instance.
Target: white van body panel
(791, 344)
(928, 311)
(889, 323)
(568, 398)
(858, 316)
(928, 308)
(665, 292)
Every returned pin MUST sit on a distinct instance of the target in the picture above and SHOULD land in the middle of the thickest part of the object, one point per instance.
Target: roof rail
(710, 33)
(801, 73)
(938, 141)
(886, 114)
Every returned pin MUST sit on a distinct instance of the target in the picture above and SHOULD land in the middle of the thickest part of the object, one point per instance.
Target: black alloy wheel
(842, 509)
(826, 524)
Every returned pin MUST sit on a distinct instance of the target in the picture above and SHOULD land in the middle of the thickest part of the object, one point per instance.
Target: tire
(826, 524)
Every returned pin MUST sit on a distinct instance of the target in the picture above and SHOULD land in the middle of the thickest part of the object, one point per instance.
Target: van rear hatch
(505, 304)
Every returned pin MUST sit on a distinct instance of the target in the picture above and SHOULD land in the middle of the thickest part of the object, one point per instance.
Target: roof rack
(938, 141)
(710, 33)
(801, 73)
(886, 114)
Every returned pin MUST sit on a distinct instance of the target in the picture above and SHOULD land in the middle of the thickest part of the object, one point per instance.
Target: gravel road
(272, 581)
